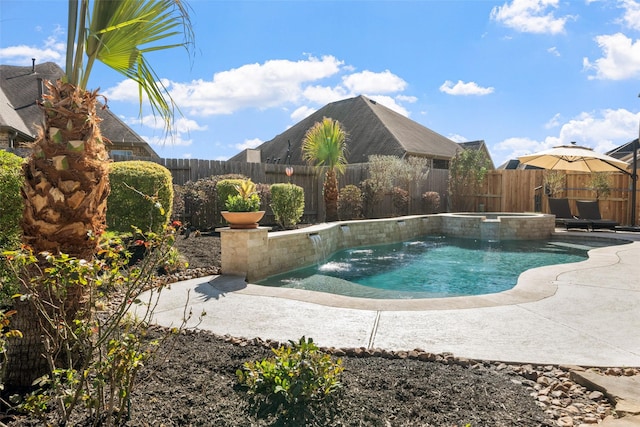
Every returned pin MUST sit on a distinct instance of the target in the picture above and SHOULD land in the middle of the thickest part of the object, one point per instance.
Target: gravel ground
(194, 384)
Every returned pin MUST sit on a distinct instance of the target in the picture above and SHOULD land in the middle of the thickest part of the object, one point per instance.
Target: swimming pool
(431, 267)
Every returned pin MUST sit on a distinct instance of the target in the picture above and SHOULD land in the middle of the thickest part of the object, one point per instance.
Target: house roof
(20, 87)
(478, 145)
(372, 129)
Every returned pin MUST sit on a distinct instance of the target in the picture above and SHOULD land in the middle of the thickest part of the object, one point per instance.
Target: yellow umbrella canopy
(574, 158)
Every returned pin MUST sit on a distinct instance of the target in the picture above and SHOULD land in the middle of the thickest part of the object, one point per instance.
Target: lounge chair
(560, 208)
(590, 210)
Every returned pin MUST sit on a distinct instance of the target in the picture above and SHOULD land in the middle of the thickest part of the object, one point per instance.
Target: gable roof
(372, 128)
(20, 87)
(625, 152)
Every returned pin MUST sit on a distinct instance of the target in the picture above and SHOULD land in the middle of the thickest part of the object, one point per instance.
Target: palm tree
(324, 144)
(66, 175)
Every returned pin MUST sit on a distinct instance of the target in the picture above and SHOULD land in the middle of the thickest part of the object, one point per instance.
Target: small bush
(11, 179)
(371, 195)
(431, 201)
(350, 203)
(400, 200)
(298, 376)
(287, 203)
(225, 189)
(201, 205)
(141, 196)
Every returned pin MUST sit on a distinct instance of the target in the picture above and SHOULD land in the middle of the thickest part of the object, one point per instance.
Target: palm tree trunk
(65, 194)
(67, 176)
(331, 195)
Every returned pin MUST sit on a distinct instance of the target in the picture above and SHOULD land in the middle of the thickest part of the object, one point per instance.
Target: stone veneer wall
(257, 254)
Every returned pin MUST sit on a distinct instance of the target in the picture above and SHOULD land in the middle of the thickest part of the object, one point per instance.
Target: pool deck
(585, 314)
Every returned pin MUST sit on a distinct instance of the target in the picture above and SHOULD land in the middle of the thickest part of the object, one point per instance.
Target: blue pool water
(430, 267)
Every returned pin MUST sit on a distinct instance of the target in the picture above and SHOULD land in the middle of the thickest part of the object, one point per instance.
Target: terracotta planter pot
(243, 220)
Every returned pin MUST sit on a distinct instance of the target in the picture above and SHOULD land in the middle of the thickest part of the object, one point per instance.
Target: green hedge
(226, 188)
(141, 196)
(287, 203)
(12, 205)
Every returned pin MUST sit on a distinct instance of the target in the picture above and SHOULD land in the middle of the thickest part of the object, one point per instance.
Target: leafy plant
(247, 199)
(11, 208)
(138, 189)
(600, 183)
(554, 182)
(431, 201)
(467, 173)
(298, 376)
(287, 203)
(109, 341)
(350, 203)
(239, 195)
(400, 199)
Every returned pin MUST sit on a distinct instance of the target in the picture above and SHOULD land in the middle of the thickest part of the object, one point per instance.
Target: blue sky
(522, 75)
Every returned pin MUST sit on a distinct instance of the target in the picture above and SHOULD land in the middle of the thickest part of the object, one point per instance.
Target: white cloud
(631, 17)
(601, 131)
(323, 95)
(553, 51)
(457, 138)
(553, 122)
(22, 54)
(406, 98)
(259, 86)
(621, 58)
(530, 16)
(370, 82)
(462, 88)
(168, 141)
(126, 91)
(52, 49)
(390, 103)
(301, 113)
(248, 143)
(180, 125)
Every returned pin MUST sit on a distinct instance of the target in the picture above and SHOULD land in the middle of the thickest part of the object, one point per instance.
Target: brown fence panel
(523, 191)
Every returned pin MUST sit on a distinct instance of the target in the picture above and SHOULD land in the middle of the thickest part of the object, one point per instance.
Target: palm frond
(324, 144)
(121, 33)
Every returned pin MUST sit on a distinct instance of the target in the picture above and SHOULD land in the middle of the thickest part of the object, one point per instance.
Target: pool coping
(532, 285)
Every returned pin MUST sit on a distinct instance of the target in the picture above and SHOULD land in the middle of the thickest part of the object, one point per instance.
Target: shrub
(400, 198)
(350, 203)
(201, 205)
(371, 195)
(226, 188)
(431, 201)
(11, 180)
(11, 208)
(141, 196)
(467, 172)
(94, 355)
(298, 375)
(287, 203)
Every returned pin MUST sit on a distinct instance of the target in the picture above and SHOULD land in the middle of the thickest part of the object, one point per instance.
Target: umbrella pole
(634, 180)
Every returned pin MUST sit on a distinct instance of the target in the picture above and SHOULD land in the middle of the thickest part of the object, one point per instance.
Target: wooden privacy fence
(310, 178)
(523, 191)
(503, 190)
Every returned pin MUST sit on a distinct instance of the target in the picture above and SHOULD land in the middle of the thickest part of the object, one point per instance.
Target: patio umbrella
(574, 158)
